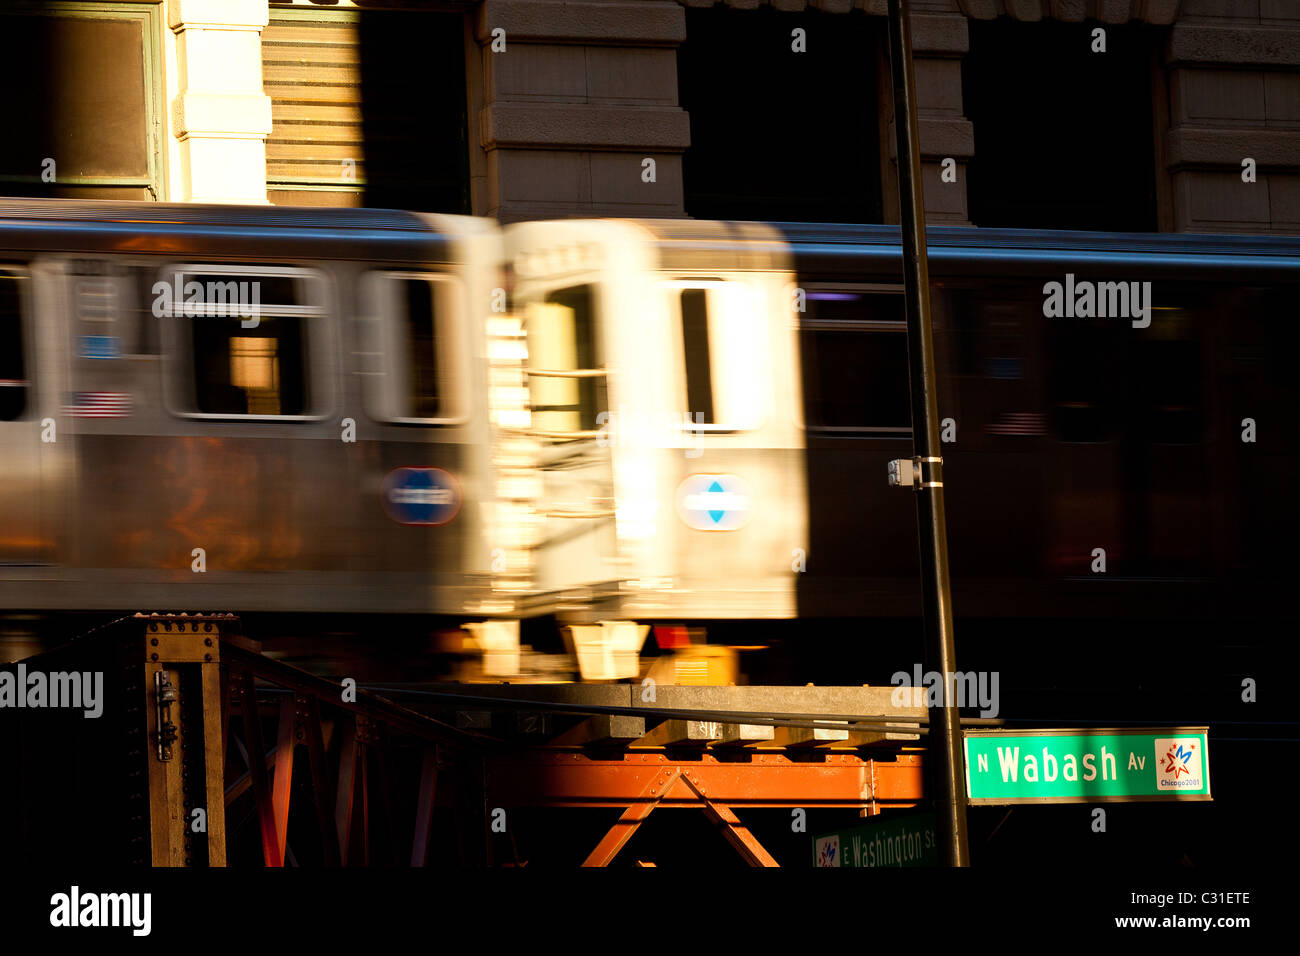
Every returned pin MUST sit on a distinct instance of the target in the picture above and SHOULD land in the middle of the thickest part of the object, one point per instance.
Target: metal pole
(945, 721)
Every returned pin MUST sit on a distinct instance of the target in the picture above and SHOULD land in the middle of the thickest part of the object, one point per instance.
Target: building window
(1062, 135)
(83, 122)
(368, 108)
(779, 135)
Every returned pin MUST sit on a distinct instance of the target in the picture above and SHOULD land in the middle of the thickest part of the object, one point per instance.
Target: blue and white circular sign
(427, 496)
(713, 502)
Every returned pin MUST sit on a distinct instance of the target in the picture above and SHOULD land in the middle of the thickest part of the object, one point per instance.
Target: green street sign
(1107, 765)
(888, 840)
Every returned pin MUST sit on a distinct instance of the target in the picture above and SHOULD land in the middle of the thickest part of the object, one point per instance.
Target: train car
(266, 409)
(664, 384)
(1116, 418)
(250, 409)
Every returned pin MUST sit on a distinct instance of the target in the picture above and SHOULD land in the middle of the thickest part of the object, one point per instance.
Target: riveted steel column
(945, 722)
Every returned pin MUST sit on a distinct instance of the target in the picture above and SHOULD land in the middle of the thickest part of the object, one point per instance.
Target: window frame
(806, 324)
(149, 15)
(319, 344)
(378, 327)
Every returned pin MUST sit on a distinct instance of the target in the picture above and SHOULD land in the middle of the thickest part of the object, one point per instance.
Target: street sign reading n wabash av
(1107, 765)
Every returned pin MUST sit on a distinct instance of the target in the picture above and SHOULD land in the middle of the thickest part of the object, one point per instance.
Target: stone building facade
(541, 108)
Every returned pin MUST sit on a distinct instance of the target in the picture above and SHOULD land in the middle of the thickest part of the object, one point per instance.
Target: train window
(13, 378)
(1171, 390)
(566, 378)
(1085, 379)
(853, 345)
(699, 371)
(420, 318)
(240, 339)
(249, 371)
(723, 359)
(413, 334)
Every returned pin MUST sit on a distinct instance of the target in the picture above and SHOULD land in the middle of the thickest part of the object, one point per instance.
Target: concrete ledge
(1202, 43)
(217, 14)
(940, 138)
(219, 114)
(647, 23)
(1192, 146)
(627, 129)
(1159, 12)
(939, 33)
(1069, 11)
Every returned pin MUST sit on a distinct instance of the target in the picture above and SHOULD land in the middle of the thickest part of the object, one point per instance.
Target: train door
(426, 497)
(599, 374)
(853, 348)
(1170, 528)
(20, 421)
(569, 399)
(734, 482)
(1087, 366)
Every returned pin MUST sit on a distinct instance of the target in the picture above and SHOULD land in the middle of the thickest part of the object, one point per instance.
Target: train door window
(724, 362)
(566, 378)
(241, 340)
(853, 346)
(419, 344)
(1170, 389)
(1085, 379)
(13, 376)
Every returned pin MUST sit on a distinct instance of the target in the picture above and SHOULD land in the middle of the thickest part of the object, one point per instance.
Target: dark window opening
(84, 126)
(779, 135)
(1084, 380)
(1063, 135)
(247, 336)
(13, 376)
(1170, 391)
(421, 319)
(699, 369)
(415, 141)
(259, 371)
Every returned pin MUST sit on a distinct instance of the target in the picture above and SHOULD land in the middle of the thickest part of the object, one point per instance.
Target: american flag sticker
(98, 405)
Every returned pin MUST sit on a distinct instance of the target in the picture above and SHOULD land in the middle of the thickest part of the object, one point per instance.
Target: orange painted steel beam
(677, 780)
(551, 778)
(737, 834)
(283, 783)
(631, 818)
(271, 856)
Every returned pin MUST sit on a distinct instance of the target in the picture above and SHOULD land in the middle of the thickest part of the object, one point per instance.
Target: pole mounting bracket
(916, 472)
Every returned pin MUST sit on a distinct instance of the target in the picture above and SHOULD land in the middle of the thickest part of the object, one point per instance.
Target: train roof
(849, 250)
(833, 249)
(808, 234)
(221, 229)
(99, 210)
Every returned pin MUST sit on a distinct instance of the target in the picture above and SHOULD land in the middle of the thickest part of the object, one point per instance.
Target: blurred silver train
(270, 409)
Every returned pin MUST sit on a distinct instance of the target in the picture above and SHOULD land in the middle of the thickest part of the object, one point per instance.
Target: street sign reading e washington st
(888, 840)
(1107, 765)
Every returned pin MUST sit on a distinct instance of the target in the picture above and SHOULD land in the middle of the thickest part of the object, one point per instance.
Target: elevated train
(654, 421)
